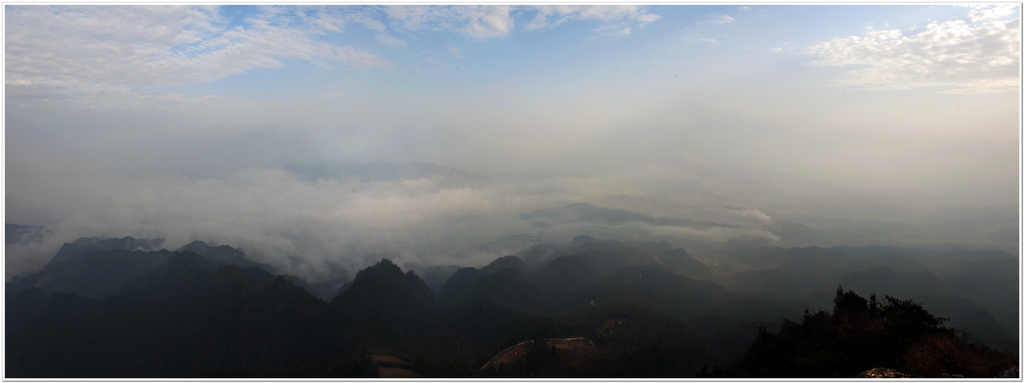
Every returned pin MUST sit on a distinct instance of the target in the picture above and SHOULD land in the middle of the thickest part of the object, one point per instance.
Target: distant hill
(585, 212)
(606, 257)
(95, 274)
(95, 267)
(224, 253)
(536, 255)
(630, 309)
(84, 246)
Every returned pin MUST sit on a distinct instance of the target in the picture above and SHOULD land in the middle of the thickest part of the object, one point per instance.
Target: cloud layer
(117, 45)
(326, 228)
(100, 56)
(953, 54)
(617, 20)
(175, 121)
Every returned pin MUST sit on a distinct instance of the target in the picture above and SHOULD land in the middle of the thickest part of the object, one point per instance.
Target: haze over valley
(763, 155)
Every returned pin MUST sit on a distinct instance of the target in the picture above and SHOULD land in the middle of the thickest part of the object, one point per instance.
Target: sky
(178, 122)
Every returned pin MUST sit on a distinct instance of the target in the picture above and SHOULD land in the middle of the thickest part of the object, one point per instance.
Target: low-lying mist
(324, 221)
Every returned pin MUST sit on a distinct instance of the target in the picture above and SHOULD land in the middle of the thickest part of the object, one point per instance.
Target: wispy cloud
(553, 15)
(96, 52)
(986, 12)
(720, 19)
(951, 54)
(481, 22)
(702, 40)
(612, 31)
(454, 49)
(617, 20)
(390, 40)
(750, 213)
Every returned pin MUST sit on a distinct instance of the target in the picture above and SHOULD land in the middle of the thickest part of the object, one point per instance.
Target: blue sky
(880, 112)
(684, 39)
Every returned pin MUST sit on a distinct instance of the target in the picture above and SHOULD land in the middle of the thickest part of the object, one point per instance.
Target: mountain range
(124, 308)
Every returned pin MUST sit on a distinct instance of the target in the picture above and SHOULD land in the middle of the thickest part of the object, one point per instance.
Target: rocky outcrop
(1011, 373)
(572, 351)
(883, 373)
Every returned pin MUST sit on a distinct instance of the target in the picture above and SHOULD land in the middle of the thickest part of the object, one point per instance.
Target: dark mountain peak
(206, 248)
(582, 239)
(383, 292)
(225, 254)
(506, 262)
(83, 246)
(385, 268)
(127, 243)
(195, 245)
(536, 255)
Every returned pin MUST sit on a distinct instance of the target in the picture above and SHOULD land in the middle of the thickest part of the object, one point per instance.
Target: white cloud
(477, 21)
(618, 20)
(612, 31)
(743, 8)
(390, 40)
(720, 19)
(953, 54)
(714, 233)
(454, 49)
(489, 22)
(318, 230)
(750, 213)
(93, 52)
(702, 40)
(986, 12)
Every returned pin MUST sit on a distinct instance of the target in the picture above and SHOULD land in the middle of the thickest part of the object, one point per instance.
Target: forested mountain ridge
(222, 315)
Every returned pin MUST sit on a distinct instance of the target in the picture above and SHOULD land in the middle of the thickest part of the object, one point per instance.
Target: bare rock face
(883, 373)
